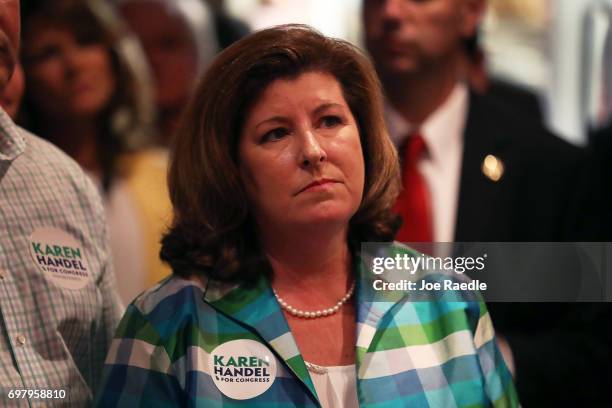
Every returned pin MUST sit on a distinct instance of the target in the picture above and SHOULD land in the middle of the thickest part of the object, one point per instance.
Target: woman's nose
(313, 153)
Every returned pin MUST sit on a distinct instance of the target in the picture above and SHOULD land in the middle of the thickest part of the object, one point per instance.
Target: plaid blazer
(408, 353)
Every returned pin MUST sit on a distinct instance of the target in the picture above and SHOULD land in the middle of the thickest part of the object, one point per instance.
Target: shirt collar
(12, 143)
(447, 121)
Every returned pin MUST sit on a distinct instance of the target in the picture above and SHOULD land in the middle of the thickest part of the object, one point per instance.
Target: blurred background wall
(558, 49)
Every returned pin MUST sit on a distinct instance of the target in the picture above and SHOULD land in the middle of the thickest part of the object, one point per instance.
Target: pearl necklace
(316, 313)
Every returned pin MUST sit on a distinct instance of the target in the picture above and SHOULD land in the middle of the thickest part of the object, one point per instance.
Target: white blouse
(336, 386)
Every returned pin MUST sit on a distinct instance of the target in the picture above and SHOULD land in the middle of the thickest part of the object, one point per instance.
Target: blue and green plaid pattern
(50, 338)
(409, 354)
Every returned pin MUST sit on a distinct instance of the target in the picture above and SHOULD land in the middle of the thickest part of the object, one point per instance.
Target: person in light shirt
(57, 286)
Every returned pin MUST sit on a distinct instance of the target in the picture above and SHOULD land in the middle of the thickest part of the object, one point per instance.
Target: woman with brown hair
(282, 167)
(88, 93)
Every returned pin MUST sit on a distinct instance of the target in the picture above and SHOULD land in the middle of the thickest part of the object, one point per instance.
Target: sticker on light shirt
(61, 258)
(242, 369)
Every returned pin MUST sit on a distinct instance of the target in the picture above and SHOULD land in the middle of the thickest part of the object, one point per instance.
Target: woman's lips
(318, 185)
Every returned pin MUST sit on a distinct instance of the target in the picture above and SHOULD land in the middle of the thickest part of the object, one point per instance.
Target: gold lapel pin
(493, 168)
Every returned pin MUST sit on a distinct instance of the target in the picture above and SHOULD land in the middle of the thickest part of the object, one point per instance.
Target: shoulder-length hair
(213, 232)
(127, 121)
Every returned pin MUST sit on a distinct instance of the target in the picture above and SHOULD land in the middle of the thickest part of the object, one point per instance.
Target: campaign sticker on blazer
(61, 258)
(242, 369)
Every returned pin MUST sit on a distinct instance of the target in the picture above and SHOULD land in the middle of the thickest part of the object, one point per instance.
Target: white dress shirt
(442, 132)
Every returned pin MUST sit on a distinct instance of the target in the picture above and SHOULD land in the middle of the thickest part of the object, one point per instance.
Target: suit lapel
(479, 196)
(256, 307)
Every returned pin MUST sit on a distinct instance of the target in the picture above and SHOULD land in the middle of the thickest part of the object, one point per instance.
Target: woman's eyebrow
(283, 119)
(325, 106)
(276, 118)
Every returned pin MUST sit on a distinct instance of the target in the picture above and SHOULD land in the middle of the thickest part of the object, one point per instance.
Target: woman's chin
(325, 218)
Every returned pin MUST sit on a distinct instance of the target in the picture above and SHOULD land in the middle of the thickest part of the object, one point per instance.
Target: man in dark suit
(597, 186)
(476, 169)
(513, 179)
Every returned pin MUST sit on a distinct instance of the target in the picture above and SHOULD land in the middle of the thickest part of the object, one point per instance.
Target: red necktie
(414, 202)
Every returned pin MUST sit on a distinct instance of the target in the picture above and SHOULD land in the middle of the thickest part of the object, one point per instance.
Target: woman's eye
(330, 121)
(274, 135)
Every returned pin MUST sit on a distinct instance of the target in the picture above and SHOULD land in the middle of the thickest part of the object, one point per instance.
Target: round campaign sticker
(61, 257)
(242, 369)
